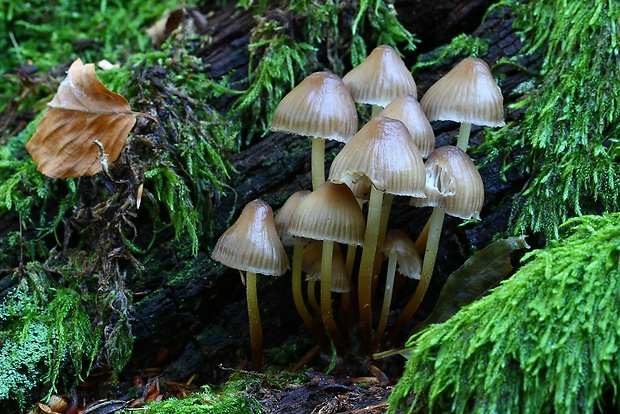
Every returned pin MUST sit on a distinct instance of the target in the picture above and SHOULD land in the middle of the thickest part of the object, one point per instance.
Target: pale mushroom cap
(384, 151)
(468, 93)
(398, 243)
(360, 186)
(284, 216)
(251, 244)
(380, 78)
(452, 183)
(320, 106)
(407, 109)
(330, 212)
(311, 265)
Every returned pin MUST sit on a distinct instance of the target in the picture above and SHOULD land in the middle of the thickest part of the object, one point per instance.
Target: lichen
(545, 340)
(568, 139)
(47, 336)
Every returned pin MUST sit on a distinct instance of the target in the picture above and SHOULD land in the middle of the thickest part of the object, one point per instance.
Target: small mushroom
(407, 109)
(330, 214)
(400, 250)
(453, 186)
(467, 94)
(319, 107)
(383, 151)
(252, 245)
(283, 221)
(380, 78)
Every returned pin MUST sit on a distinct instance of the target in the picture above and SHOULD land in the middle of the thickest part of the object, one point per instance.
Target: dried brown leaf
(83, 118)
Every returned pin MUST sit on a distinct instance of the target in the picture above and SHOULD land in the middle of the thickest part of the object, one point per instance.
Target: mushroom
(312, 266)
(252, 245)
(467, 94)
(383, 151)
(320, 107)
(330, 214)
(407, 109)
(282, 221)
(400, 250)
(380, 78)
(453, 186)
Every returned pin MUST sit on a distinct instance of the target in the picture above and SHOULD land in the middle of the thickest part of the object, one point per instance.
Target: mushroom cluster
(392, 155)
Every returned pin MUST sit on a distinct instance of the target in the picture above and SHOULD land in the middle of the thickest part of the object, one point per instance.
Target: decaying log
(201, 320)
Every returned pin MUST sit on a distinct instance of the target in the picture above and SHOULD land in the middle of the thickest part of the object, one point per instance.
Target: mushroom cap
(330, 212)
(380, 78)
(284, 216)
(452, 183)
(251, 244)
(468, 93)
(320, 106)
(311, 264)
(407, 109)
(384, 151)
(398, 243)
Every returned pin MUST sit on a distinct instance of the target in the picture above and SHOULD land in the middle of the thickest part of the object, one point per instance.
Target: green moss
(207, 401)
(237, 396)
(281, 55)
(546, 340)
(461, 46)
(45, 32)
(47, 336)
(571, 127)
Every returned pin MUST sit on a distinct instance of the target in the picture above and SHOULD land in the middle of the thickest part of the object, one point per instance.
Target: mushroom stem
(463, 140)
(386, 208)
(256, 330)
(376, 110)
(326, 294)
(420, 242)
(367, 262)
(312, 297)
(299, 300)
(428, 264)
(345, 298)
(318, 162)
(387, 299)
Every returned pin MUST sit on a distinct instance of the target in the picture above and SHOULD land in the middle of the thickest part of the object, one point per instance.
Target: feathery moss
(282, 53)
(47, 336)
(546, 340)
(571, 127)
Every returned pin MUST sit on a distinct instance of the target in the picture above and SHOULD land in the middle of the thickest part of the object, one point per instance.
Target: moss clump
(237, 396)
(546, 340)
(47, 339)
(207, 401)
(571, 127)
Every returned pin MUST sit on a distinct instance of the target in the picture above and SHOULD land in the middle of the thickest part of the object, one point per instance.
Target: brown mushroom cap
(312, 263)
(380, 78)
(452, 183)
(251, 244)
(320, 106)
(384, 151)
(468, 93)
(284, 216)
(330, 212)
(407, 109)
(397, 242)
